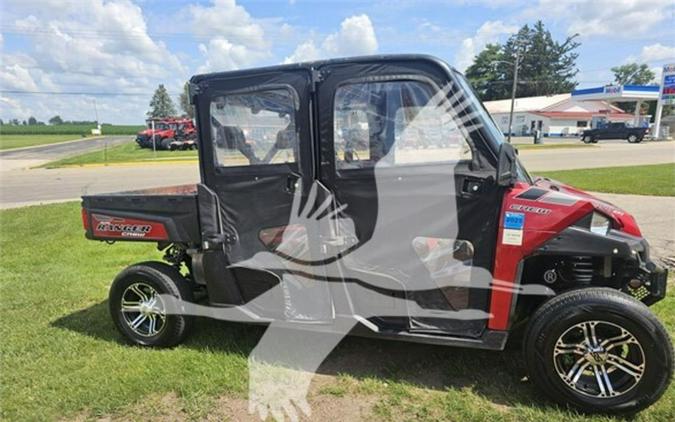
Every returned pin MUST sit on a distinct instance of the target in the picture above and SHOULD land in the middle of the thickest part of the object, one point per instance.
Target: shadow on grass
(496, 376)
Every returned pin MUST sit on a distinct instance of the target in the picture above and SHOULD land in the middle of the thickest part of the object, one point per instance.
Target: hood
(621, 219)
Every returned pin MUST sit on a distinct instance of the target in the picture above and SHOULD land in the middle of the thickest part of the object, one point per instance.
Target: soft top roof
(382, 58)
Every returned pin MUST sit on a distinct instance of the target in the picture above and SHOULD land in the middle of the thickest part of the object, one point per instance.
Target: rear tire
(588, 139)
(133, 310)
(594, 315)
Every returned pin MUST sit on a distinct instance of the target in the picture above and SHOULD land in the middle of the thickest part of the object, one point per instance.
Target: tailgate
(161, 214)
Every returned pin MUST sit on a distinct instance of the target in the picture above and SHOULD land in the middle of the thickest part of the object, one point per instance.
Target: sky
(83, 58)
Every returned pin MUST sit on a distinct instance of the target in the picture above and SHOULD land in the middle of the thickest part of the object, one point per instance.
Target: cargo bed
(157, 214)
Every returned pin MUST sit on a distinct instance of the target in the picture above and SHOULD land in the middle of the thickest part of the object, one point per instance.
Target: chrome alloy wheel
(599, 359)
(143, 310)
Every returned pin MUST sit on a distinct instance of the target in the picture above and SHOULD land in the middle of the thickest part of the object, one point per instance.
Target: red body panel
(166, 133)
(108, 227)
(545, 216)
(188, 128)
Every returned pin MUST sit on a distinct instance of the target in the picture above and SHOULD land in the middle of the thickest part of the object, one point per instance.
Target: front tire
(139, 313)
(633, 139)
(599, 350)
(166, 143)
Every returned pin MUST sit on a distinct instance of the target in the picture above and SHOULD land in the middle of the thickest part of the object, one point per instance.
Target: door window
(254, 128)
(396, 123)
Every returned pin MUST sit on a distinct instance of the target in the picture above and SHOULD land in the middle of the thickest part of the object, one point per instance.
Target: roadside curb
(123, 164)
(55, 143)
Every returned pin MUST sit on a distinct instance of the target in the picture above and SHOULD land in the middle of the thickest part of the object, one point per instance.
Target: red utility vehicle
(429, 230)
(171, 133)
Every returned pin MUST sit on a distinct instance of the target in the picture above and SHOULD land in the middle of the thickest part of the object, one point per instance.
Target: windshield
(494, 135)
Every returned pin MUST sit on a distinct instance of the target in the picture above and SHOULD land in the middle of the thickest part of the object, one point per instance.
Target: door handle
(292, 182)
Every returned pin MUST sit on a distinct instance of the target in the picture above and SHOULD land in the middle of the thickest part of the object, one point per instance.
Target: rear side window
(255, 128)
(395, 123)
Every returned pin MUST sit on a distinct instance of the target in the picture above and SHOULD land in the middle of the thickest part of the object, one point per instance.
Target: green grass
(69, 129)
(521, 147)
(124, 153)
(61, 358)
(19, 141)
(657, 179)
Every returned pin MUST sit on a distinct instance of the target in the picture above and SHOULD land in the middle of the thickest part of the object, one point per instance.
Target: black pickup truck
(633, 135)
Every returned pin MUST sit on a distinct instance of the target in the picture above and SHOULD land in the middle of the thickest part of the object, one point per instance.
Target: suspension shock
(582, 269)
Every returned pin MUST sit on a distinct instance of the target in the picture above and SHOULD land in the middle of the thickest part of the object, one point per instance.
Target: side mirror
(507, 172)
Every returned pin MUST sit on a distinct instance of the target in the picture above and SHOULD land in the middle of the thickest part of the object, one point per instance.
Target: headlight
(599, 224)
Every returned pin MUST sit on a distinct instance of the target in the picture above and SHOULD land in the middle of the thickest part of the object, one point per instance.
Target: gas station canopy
(618, 93)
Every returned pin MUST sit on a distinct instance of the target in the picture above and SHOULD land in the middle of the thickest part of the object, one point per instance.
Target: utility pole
(516, 65)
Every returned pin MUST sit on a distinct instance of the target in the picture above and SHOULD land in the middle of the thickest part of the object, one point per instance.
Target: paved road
(655, 216)
(14, 159)
(602, 155)
(25, 187)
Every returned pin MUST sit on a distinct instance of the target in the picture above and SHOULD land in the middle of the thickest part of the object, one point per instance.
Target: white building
(554, 115)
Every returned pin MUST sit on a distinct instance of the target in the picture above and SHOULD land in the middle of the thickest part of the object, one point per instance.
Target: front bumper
(144, 142)
(649, 283)
(630, 269)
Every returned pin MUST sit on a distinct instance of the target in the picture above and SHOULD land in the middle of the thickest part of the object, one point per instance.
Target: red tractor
(169, 134)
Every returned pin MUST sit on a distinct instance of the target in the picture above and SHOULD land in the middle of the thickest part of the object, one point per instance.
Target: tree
(633, 74)
(56, 120)
(484, 74)
(32, 121)
(185, 101)
(161, 104)
(546, 66)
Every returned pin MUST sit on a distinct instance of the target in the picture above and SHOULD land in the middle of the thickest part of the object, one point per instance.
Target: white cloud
(355, 37)
(18, 110)
(657, 52)
(227, 20)
(220, 54)
(85, 46)
(235, 38)
(16, 77)
(489, 32)
(619, 18)
(306, 51)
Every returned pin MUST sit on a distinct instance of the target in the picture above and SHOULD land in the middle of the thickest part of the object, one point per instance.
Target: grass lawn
(521, 147)
(124, 153)
(61, 357)
(657, 179)
(18, 141)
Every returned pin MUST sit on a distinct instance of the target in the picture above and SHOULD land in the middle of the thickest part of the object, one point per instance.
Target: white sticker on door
(512, 237)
